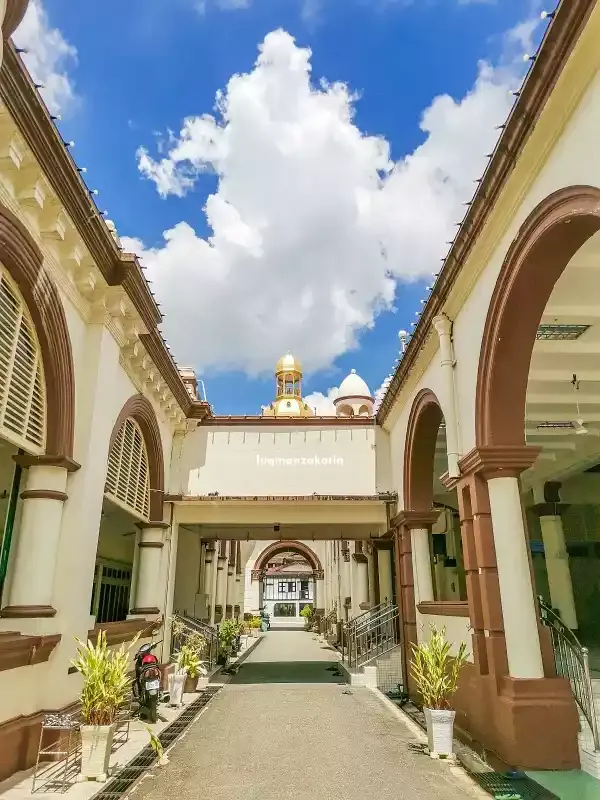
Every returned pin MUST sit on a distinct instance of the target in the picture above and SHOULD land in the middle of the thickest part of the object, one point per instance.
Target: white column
(443, 327)
(514, 579)
(239, 594)
(360, 583)
(148, 588)
(221, 587)
(421, 564)
(557, 567)
(346, 582)
(172, 542)
(37, 540)
(320, 594)
(230, 593)
(384, 565)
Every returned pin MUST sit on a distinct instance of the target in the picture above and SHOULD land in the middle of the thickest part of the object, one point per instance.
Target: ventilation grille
(22, 401)
(127, 476)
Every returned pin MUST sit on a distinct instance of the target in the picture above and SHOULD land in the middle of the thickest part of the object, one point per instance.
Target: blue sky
(324, 237)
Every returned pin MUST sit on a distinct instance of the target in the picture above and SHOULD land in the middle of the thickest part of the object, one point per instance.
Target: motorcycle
(146, 685)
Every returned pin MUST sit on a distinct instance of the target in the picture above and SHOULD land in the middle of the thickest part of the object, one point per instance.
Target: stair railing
(193, 625)
(369, 636)
(572, 661)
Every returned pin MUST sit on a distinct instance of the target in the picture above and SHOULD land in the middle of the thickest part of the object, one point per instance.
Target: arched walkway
(24, 262)
(288, 547)
(141, 410)
(546, 242)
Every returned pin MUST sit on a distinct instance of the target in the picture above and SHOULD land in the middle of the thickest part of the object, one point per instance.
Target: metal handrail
(367, 614)
(210, 633)
(572, 661)
(372, 638)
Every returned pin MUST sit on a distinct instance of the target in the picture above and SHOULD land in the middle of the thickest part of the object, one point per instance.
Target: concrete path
(285, 729)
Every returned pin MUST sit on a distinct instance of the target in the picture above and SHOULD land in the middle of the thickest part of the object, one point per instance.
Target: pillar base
(526, 723)
(142, 611)
(28, 612)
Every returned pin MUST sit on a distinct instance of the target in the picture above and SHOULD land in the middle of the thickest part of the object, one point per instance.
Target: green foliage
(193, 646)
(255, 622)
(436, 670)
(307, 612)
(106, 682)
(155, 743)
(228, 631)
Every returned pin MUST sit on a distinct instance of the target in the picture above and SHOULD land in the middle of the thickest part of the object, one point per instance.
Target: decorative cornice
(15, 11)
(415, 519)
(27, 460)
(21, 650)
(309, 498)
(495, 461)
(125, 631)
(444, 608)
(292, 422)
(562, 35)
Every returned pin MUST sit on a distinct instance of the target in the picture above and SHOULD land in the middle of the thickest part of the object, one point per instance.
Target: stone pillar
(319, 578)
(549, 510)
(360, 580)
(37, 541)
(443, 326)
(384, 566)
(221, 584)
(208, 580)
(171, 569)
(519, 611)
(230, 594)
(148, 591)
(421, 564)
(346, 580)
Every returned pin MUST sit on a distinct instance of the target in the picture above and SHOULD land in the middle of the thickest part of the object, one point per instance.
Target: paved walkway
(285, 729)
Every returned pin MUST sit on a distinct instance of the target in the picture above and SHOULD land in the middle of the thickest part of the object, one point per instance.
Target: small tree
(436, 670)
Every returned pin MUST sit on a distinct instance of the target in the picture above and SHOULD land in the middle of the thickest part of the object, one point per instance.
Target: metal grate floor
(504, 785)
(124, 780)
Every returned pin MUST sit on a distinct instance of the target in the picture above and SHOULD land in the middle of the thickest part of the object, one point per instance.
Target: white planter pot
(440, 732)
(176, 684)
(202, 682)
(255, 633)
(96, 746)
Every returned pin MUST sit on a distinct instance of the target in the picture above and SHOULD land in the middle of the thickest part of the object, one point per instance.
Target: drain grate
(134, 769)
(504, 785)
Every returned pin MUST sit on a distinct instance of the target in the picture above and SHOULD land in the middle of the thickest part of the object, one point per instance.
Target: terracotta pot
(191, 684)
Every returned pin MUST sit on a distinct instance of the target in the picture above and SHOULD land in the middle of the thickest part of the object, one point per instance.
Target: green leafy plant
(106, 681)
(228, 632)
(307, 612)
(255, 622)
(435, 670)
(188, 661)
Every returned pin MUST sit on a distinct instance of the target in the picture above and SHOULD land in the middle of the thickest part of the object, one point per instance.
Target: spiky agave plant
(436, 670)
(106, 682)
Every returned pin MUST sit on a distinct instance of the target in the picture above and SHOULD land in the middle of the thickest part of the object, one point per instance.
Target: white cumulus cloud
(313, 225)
(322, 404)
(48, 57)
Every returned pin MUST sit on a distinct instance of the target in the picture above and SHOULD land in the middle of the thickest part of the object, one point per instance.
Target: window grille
(22, 389)
(127, 478)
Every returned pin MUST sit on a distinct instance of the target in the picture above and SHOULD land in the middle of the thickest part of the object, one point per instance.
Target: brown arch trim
(536, 259)
(15, 11)
(289, 546)
(419, 451)
(141, 410)
(24, 263)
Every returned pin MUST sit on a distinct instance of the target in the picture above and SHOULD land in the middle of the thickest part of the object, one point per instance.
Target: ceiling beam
(567, 347)
(566, 399)
(563, 376)
(571, 314)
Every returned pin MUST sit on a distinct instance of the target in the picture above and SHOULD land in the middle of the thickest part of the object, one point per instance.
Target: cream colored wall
(264, 460)
(188, 575)
(458, 629)
(571, 161)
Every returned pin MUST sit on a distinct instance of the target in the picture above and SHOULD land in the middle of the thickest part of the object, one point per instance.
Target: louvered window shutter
(127, 478)
(22, 388)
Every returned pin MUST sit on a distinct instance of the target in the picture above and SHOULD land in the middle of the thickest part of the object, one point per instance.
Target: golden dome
(288, 407)
(288, 363)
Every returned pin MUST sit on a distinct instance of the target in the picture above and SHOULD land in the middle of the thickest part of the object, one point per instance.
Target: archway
(24, 263)
(288, 546)
(133, 499)
(546, 242)
(430, 569)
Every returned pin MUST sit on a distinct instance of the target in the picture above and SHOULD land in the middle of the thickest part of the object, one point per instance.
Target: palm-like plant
(435, 670)
(106, 682)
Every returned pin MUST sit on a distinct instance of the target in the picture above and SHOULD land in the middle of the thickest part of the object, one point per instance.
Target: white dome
(353, 386)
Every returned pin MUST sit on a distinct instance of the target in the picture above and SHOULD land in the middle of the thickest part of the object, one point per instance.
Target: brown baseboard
(19, 741)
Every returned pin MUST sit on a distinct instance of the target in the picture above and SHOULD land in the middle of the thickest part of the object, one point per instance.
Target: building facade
(473, 489)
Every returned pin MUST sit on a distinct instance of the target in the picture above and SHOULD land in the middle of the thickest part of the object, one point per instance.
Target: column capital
(158, 524)
(415, 519)
(494, 461)
(549, 509)
(256, 574)
(27, 460)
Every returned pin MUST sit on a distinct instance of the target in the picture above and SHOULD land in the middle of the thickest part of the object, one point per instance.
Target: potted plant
(189, 663)
(307, 613)
(255, 624)
(227, 635)
(436, 672)
(106, 689)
